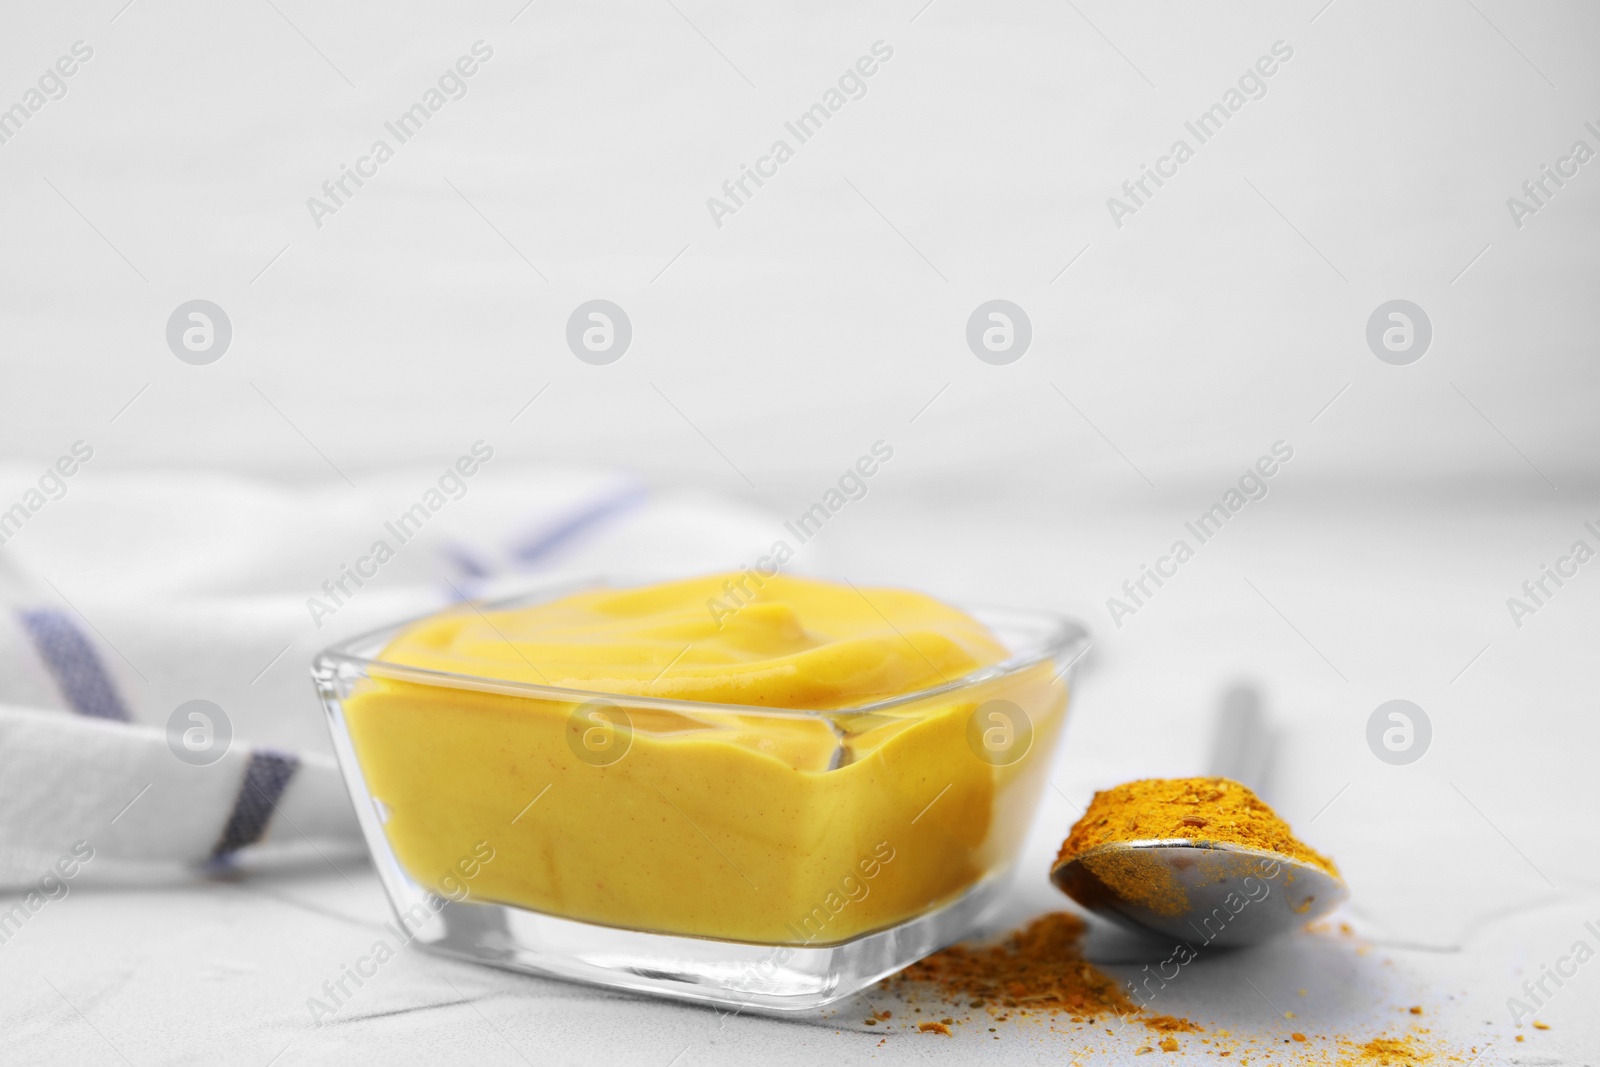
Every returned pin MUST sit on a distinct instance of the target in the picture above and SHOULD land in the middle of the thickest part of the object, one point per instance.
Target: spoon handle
(1244, 740)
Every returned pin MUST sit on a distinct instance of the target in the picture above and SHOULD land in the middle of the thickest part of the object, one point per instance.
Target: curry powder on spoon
(1216, 810)
(1203, 810)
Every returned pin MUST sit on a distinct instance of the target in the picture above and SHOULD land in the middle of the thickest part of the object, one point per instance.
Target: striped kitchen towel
(156, 631)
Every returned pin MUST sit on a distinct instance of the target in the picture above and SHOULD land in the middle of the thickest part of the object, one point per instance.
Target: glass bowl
(771, 859)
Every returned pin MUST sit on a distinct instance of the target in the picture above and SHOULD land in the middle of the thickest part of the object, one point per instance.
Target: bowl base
(738, 975)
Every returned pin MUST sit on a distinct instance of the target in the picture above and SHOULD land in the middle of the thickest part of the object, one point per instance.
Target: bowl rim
(1063, 637)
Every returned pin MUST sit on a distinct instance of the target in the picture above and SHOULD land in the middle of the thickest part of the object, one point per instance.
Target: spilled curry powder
(1039, 972)
(1386, 1052)
(1205, 810)
(1040, 968)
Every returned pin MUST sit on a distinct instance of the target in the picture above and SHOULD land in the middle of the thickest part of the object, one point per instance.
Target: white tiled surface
(1458, 915)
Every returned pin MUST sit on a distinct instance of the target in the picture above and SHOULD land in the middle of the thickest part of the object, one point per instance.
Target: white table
(1447, 858)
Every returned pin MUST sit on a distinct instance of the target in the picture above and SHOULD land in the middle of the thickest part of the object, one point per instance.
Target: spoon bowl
(1201, 892)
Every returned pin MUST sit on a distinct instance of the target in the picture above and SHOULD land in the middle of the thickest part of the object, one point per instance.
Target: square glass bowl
(764, 858)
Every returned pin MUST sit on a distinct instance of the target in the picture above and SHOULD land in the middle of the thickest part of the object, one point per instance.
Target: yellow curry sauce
(811, 824)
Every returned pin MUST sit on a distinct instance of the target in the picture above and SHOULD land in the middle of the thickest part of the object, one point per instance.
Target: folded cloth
(155, 631)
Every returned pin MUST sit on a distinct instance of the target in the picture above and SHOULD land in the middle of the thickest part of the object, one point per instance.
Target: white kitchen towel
(156, 711)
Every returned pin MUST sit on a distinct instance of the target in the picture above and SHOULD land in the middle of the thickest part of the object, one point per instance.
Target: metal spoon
(1222, 894)
(1203, 892)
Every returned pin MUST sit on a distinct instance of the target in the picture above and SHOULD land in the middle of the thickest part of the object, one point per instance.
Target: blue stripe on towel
(74, 663)
(548, 540)
(265, 779)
